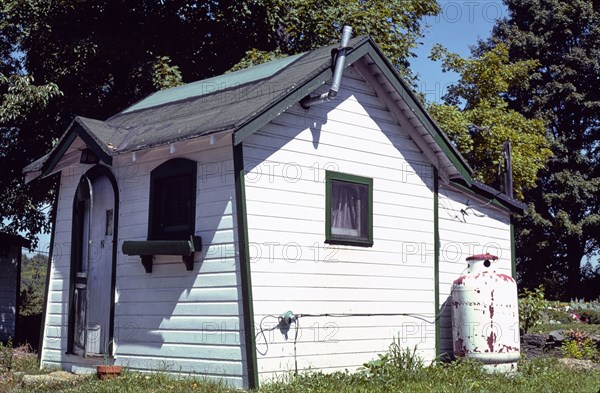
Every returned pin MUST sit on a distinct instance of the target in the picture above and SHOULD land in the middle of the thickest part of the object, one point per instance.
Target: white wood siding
(293, 269)
(54, 344)
(483, 229)
(9, 265)
(171, 319)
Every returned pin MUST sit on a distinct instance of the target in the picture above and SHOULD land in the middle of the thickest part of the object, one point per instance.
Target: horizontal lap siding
(171, 319)
(174, 319)
(293, 269)
(54, 343)
(483, 229)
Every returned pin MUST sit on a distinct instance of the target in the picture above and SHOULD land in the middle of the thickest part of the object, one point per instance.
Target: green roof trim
(417, 108)
(255, 123)
(242, 101)
(497, 198)
(212, 85)
(365, 47)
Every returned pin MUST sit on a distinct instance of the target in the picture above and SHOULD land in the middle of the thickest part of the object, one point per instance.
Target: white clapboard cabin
(190, 222)
(10, 283)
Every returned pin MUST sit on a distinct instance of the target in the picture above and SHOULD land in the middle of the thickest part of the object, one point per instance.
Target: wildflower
(576, 316)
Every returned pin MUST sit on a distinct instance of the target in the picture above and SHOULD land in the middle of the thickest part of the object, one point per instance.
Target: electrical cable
(262, 332)
(295, 341)
(284, 322)
(422, 317)
(297, 317)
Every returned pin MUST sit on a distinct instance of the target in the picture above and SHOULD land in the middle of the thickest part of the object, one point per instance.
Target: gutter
(340, 63)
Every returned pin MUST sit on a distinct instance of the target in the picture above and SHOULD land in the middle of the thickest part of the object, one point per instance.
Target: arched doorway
(92, 263)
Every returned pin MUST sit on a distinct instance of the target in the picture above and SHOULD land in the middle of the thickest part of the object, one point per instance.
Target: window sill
(350, 242)
(147, 249)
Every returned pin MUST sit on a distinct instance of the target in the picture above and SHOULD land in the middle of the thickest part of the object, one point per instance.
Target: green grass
(398, 370)
(539, 375)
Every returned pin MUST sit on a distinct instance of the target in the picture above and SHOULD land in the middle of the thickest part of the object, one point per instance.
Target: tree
(396, 25)
(105, 55)
(19, 99)
(477, 118)
(562, 224)
(33, 282)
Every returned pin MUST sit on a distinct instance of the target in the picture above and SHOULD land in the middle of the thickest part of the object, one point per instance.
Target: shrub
(578, 345)
(531, 308)
(583, 350)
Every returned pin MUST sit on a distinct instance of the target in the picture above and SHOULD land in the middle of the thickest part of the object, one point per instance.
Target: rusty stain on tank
(505, 277)
(491, 340)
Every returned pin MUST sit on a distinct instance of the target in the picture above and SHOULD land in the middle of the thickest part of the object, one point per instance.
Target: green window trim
(330, 238)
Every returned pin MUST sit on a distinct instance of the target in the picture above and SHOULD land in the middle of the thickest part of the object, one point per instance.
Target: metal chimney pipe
(340, 63)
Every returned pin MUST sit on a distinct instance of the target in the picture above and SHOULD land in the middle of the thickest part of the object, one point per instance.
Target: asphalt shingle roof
(240, 101)
(190, 111)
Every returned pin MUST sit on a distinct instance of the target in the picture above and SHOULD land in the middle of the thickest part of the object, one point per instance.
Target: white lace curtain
(347, 203)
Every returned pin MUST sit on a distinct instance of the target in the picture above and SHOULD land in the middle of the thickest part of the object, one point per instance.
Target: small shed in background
(10, 278)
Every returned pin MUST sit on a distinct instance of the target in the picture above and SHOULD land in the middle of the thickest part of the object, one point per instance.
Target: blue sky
(459, 26)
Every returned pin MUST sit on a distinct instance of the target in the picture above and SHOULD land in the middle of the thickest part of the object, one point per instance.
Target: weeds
(397, 359)
(6, 356)
(13, 363)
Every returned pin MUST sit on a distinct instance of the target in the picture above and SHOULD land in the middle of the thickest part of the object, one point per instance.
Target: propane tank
(485, 315)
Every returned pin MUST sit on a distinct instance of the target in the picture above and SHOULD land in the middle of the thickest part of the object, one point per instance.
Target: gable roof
(244, 101)
(211, 85)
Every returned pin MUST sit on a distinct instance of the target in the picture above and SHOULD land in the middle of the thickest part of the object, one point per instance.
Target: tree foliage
(396, 25)
(19, 100)
(477, 118)
(105, 55)
(562, 224)
(165, 75)
(33, 282)
(20, 96)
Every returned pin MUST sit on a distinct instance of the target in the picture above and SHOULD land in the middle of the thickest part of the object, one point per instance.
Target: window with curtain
(349, 210)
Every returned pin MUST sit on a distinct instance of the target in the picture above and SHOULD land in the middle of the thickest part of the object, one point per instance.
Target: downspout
(340, 62)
